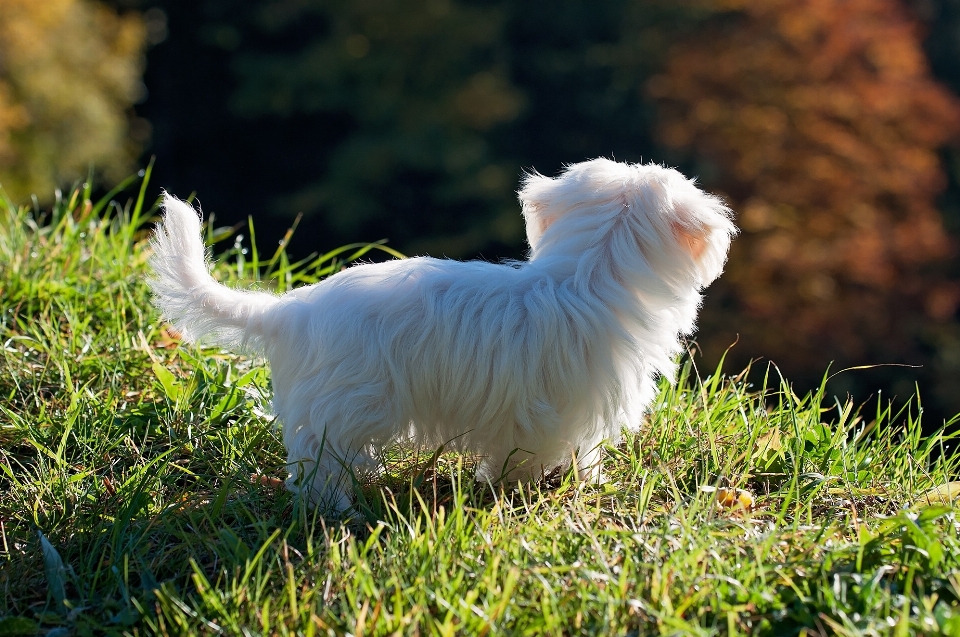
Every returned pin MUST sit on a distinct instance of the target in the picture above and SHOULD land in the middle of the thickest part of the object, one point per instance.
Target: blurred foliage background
(69, 74)
(831, 126)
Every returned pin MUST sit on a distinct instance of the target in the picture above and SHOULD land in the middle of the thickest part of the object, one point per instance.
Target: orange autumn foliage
(823, 124)
(69, 76)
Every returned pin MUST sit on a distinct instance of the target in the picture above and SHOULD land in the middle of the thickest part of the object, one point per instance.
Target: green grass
(139, 490)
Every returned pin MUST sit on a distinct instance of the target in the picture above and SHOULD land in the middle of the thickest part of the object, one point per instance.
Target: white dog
(526, 364)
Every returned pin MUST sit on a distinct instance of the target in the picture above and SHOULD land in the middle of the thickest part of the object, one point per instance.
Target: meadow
(141, 487)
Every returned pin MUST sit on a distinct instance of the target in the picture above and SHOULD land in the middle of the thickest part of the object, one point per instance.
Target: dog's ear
(533, 195)
(692, 240)
(533, 192)
(690, 211)
(702, 228)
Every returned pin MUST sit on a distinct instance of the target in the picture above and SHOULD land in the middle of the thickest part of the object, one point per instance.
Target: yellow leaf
(941, 494)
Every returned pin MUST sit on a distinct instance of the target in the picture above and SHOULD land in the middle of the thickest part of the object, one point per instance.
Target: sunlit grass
(140, 489)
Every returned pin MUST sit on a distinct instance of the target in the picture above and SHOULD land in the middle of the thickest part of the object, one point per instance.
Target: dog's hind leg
(331, 445)
(519, 465)
(323, 471)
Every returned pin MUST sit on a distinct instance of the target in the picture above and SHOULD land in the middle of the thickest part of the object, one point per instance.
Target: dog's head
(677, 225)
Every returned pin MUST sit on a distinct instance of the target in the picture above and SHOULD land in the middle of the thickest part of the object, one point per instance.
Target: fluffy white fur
(525, 364)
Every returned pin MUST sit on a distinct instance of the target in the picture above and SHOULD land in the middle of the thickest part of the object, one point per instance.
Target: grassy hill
(140, 490)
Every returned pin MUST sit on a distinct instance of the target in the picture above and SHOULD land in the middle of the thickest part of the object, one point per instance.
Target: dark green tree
(408, 95)
(406, 120)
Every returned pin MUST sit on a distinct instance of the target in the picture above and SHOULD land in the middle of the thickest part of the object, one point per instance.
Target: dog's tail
(189, 298)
